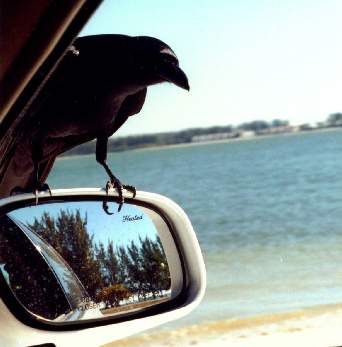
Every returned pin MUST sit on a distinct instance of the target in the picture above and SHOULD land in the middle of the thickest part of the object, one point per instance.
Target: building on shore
(215, 136)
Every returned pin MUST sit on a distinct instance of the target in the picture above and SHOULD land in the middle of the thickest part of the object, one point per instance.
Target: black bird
(101, 81)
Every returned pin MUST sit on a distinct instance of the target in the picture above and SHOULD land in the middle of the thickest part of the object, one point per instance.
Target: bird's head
(139, 60)
(157, 62)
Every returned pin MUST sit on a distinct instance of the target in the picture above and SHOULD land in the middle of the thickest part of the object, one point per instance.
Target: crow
(101, 81)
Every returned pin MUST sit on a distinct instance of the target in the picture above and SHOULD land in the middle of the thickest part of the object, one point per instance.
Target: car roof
(34, 37)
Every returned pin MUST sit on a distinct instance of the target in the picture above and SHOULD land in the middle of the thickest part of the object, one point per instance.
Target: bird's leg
(114, 182)
(37, 155)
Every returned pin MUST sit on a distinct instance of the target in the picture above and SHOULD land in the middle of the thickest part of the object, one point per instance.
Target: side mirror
(67, 264)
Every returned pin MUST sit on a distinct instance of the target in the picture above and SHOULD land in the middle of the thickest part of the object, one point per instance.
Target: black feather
(100, 82)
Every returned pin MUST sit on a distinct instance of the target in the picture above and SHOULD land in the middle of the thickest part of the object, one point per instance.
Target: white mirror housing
(186, 266)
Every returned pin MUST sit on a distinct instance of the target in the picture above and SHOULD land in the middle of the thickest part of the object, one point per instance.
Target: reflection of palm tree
(68, 234)
(147, 272)
(113, 294)
(139, 267)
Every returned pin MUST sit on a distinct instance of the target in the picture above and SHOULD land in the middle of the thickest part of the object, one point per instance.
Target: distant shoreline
(204, 143)
(238, 139)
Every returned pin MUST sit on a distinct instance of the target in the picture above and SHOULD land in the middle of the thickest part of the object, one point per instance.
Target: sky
(245, 59)
(103, 227)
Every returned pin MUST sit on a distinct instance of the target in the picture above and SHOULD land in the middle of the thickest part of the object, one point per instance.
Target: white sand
(314, 327)
(324, 330)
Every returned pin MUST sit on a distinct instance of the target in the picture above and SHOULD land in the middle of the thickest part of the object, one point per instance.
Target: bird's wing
(20, 174)
(130, 106)
(53, 147)
(58, 148)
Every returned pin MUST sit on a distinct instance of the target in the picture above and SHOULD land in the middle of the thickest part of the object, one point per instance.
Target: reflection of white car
(61, 276)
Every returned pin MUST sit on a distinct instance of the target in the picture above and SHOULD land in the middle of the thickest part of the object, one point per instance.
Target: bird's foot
(131, 189)
(40, 187)
(115, 183)
(18, 190)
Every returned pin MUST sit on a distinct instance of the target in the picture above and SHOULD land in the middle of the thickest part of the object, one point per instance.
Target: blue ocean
(267, 212)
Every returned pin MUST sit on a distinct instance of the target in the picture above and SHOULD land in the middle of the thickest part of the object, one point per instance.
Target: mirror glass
(70, 260)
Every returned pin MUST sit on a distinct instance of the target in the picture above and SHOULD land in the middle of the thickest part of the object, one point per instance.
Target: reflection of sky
(104, 227)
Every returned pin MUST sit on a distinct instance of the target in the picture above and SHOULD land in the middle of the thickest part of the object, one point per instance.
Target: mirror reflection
(67, 261)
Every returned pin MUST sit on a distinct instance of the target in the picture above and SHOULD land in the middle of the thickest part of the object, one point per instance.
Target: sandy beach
(320, 326)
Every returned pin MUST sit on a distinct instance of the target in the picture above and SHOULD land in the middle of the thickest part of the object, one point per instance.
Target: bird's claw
(18, 190)
(114, 183)
(106, 208)
(131, 189)
(40, 187)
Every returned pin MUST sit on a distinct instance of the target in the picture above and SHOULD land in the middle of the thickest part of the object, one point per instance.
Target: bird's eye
(169, 56)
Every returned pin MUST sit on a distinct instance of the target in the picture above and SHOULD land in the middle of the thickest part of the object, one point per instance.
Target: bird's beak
(174, 74)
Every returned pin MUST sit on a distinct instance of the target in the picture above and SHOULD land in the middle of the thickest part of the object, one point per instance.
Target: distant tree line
(186, 136)
(108, 273)
(259, 125)
(335, 119)
(172, 138)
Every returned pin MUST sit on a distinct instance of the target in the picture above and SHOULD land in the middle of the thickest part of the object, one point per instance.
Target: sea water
(267, 212)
